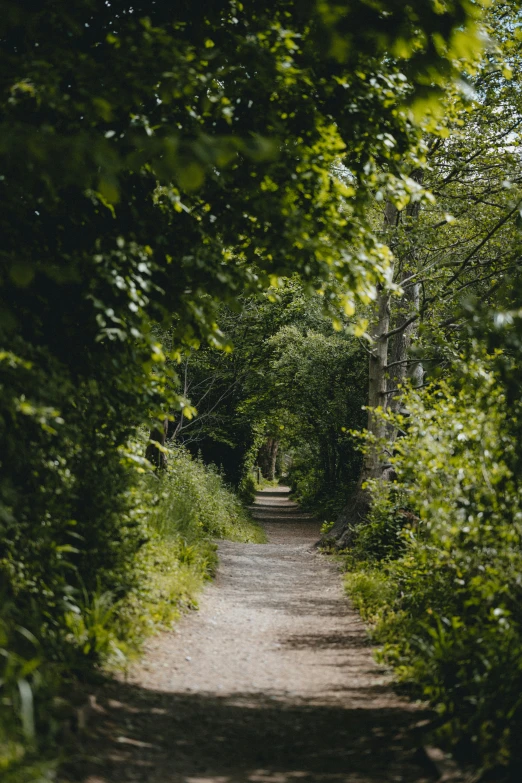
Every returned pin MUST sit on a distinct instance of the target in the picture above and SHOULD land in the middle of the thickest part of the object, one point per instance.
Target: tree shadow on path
(157, 737)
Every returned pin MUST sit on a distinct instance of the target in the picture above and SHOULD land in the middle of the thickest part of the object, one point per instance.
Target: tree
(157, 161)
(291, 385)
(461, 242)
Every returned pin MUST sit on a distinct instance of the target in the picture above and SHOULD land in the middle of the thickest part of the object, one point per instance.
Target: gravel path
(272, 681)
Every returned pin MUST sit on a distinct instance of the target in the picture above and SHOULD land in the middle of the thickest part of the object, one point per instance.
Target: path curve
(272, 681)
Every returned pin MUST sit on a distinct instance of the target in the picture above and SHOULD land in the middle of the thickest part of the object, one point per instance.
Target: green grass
(370, 591)
(188, 508)
(181, 513)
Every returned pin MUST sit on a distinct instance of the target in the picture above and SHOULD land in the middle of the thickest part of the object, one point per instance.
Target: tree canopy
(219, 210)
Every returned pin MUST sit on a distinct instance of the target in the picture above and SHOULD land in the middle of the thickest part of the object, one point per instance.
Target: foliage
(370, 591)
(319, 375)
(464, 241)
(436, 564)
(460, 240)
(196, 502)
(250, 483)
(182, 512)
(292, 376)
(454, 626)
(157, 162)
(382, 537)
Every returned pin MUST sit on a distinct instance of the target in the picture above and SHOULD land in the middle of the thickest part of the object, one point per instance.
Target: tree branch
(481, 244)
(402, 327)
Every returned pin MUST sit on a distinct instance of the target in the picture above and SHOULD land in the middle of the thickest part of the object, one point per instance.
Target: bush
(446, 598)
(178, 515)
(383, 536)
(370, 591)
(310, 488)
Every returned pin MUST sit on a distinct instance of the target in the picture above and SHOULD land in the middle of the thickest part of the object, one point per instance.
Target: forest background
(226, 230)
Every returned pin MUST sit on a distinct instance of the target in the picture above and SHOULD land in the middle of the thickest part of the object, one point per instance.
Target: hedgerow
(437, 566)
(49, 646)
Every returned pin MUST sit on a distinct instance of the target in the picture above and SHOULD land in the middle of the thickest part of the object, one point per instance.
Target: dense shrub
(441, 569)
(320, 375)
(194, 503)
(382, 537)
(53, 645)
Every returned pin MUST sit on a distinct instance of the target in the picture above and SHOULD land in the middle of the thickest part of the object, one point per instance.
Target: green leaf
(191, 176)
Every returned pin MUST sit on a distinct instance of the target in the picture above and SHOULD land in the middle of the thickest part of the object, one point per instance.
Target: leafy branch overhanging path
(272, 681)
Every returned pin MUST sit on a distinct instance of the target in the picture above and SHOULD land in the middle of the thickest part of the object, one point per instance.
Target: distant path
(272, 681)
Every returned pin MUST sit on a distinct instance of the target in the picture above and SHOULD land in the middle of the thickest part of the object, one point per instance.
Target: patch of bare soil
(272, 681)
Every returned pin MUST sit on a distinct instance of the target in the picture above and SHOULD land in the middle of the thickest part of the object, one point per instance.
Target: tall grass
(188, 507)
(179, 514)
(191, 501)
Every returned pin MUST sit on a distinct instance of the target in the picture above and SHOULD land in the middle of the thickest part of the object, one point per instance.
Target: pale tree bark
(377, 386)
(273, 463)
(400, 366)
(385, 375)
(358, 506)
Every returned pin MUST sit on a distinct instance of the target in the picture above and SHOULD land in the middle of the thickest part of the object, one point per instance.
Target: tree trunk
(401, 342)
(267, 458)
(377, 387)
(356, 510)
(158, 436)
(273, 460)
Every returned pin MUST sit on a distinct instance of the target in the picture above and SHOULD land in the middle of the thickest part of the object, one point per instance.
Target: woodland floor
(271, 681)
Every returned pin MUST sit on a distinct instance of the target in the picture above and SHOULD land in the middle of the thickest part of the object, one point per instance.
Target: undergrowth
(436, 567)
(188, 507)
(178, 515)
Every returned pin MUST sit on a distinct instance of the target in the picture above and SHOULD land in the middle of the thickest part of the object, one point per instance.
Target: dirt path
(271, 681)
